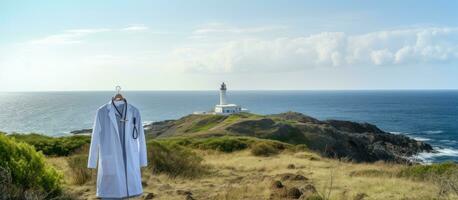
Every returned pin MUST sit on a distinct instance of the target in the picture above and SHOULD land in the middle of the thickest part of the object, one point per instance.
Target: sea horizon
(197, 90)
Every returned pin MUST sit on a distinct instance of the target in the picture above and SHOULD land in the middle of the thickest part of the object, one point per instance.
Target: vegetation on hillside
(226, 143)
(53, 146)
(264, 149)
(360, 142)
(24, 172)
(239, 167)
(174, 160)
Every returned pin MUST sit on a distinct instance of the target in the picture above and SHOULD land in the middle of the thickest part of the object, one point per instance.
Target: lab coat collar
(112, 114)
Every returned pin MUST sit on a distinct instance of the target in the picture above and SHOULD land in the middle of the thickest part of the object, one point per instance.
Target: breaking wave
(429, 157)
(433, 132)
(422, 139)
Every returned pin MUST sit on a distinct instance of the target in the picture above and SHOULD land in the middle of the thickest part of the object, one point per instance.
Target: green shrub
(264, 149)
(224, 144)
(444, 175)
(25, 171)
(56, 146)
(426, 172)
(78, 168)
(174, 160)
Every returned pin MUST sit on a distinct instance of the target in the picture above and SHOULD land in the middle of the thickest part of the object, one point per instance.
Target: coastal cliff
(359, 142)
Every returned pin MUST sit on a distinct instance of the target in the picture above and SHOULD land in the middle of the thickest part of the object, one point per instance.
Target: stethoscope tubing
(134, 130)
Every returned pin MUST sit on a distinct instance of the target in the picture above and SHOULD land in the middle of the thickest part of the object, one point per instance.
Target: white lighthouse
(223, 107)
(222, 94)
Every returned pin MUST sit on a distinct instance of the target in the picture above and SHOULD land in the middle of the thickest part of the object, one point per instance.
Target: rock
(360, 196)
(292, 177)
(295, 116)
(310, 188)
(277, 184)
(159, 128)
(149, 195)
(189, 197)
(291, 166)
(308, 191)
(313, 158)
(144, 183)
(165, 187)
(184, 192)
(82, 131)
(294, 193)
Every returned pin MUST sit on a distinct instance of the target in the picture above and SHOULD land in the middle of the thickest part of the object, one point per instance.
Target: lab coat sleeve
(142, 143)
(95, 139)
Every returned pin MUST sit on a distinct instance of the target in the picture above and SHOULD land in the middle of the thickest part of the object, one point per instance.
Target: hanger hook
(118, 89)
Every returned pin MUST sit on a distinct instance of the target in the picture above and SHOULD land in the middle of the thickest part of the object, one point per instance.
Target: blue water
(430, 116)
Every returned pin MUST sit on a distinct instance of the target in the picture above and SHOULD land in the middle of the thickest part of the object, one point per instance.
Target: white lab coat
(106, 148)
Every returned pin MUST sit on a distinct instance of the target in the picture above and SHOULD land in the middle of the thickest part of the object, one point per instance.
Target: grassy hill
(361, 142)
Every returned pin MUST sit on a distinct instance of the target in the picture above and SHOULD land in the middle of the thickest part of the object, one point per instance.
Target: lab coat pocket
(108, 165)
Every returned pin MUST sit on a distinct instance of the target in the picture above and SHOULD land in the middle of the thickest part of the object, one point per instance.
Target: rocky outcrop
(158, 128)
(82, 131)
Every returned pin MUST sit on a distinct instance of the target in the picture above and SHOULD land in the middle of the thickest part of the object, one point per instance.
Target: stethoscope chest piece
(134, 130)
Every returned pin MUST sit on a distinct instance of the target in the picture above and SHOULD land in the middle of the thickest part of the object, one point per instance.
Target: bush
(444, 175)
(264, 149)
(227, 144)
(25, 172)
(174, 160)
(78, 168)
(426, 172)
(55, 146)
(224, 144)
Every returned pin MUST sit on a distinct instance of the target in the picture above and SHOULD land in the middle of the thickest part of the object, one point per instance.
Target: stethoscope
(124, 109)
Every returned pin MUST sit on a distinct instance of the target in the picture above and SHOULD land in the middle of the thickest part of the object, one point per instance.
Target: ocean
(430, 116)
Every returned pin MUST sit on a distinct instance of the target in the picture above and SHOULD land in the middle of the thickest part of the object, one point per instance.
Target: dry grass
(240, 175)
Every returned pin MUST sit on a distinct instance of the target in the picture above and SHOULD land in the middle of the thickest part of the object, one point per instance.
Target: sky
(251, 45)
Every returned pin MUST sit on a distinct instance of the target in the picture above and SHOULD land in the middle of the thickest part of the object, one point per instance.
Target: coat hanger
(118, 96)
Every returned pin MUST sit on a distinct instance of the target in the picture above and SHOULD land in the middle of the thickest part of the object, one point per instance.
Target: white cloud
(137, 27)
(73, 36)
(212, 28)
(380, 57)
(326, 49)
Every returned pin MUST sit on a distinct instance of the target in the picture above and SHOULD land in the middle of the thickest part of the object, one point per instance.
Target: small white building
(223, 107)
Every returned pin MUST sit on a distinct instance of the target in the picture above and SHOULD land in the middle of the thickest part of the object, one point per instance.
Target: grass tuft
(78, 166)
(371, 173)
(264, 149)
(174, 160)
